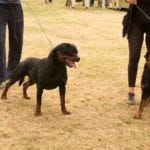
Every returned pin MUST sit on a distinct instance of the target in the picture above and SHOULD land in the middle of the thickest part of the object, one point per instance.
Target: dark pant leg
(135, 41)
(147, 40)
(2, 50)
(91, 3)
(100, 3)
(106, 3)
(15, 25)
(3, 22)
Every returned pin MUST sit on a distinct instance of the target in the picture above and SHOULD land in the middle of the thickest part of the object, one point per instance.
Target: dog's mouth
(70, 62)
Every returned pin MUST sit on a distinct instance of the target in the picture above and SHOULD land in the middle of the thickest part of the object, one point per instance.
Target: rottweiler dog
(145, 86)
(47, 73)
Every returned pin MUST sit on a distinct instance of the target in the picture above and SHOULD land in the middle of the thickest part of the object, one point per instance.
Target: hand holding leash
(133, 2)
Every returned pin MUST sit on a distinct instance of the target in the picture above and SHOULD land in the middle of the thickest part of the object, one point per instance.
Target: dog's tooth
(74, 65)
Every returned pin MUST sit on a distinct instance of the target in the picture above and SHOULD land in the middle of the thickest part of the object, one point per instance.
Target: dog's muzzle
(70, 61)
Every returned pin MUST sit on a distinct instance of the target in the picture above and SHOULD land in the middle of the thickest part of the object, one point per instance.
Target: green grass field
(96, 90)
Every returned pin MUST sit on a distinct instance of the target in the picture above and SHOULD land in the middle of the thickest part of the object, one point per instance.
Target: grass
(96, 90)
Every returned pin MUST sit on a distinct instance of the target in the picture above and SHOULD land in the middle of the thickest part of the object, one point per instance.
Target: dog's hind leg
(25, 87)
(62, 91)
(8, 85)
(4, 93)
(144, 98)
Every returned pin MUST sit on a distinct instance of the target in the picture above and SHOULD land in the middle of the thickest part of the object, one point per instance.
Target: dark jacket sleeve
(144, 1)
(126, 22)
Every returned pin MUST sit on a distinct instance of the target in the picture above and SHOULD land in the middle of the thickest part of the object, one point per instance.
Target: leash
(39, 24)
(143, 12)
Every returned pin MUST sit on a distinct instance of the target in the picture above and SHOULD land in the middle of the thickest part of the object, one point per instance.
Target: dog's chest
(145, 82)
(55, 79)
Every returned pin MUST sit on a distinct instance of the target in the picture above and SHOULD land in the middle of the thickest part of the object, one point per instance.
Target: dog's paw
(137, 116)
(3, 97)
(38, 114)
(65, 112)
(27, 97)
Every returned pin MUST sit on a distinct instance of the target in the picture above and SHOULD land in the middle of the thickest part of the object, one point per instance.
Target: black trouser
(135, 41)
(101, 1)
(11, 15)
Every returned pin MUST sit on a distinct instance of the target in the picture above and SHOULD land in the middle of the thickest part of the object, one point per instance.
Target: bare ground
(96, 90)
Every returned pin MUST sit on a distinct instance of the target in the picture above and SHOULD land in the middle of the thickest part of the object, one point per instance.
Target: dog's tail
(18, 74)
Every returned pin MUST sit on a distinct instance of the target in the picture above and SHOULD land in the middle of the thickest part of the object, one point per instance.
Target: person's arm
(133, 2)
(146, 1)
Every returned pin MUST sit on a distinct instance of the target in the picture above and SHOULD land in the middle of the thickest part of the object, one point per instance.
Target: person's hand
(134, 2)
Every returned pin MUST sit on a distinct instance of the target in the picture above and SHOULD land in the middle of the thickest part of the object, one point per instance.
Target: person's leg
(135, 41)
(68, 3)
(73, 3)
(91, 3)
(147, 40)
(100, 3)
(15, 25)
(87, 4)
(106, 3)
(3, 22)
(2, 50)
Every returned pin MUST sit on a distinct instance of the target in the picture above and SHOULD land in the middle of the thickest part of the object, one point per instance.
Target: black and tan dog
(145, 86)
(47, 73)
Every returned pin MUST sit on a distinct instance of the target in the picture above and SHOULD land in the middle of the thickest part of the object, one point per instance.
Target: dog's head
(67, 54)
(147, 57)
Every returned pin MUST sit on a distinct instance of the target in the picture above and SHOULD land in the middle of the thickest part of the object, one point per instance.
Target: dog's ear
(61, 47)
(56, 51)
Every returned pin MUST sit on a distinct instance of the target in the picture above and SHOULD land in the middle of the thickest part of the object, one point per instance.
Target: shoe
(2, 85)
(130, 100)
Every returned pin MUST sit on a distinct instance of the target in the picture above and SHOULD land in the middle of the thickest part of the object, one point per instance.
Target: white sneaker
(2, 85)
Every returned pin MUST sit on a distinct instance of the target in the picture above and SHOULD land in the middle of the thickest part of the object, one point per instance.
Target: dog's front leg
(141, 107)
(38, 101)
(62, 91)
